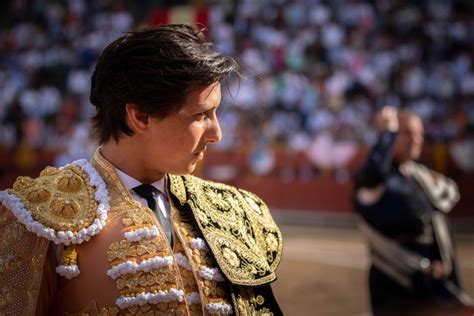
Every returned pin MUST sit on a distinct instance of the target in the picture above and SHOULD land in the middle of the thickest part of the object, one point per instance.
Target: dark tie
(150, 193)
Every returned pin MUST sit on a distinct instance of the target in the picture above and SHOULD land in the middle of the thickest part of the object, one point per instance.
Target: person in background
(402, 206)
(131, 232)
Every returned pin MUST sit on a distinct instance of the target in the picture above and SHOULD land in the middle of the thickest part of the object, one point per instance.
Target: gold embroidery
(135, 283)
(121, 251)
(93, 310)
(260, 300)
(137, 218)
(231, 257)
(9, 263)
(38, 254)
(6, 296)
(69, 183)
(59, 199)
(11, 233)
(210, 290)
(64, 208)
(177, 185)
(69, 257)
(195, 309)
(131, 282)
(202, 258)
(108, 311)
(161, 276)
(144, 310)
(21, 265)
(38, 195)
(237, 226)
(132, 217)
(249, 304)
(151, 247)
(213, 289)
(171, 308)
(272, 243)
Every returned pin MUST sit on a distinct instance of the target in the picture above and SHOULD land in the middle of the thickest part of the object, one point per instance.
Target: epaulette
(441, 190)
(237, 226)
(66, 205)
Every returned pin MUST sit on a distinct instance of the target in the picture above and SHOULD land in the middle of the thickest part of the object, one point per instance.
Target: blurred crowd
(314, 72)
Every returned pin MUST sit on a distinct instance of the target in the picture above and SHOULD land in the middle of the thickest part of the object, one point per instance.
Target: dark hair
(155, 68)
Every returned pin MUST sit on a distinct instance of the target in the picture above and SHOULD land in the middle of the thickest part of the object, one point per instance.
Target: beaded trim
(142, 233)
(145, 266)
(219, 308)
(150, 298)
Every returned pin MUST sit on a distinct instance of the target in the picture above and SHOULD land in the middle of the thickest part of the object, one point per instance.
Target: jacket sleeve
(377, 166)
(23, 269)
(49, 282)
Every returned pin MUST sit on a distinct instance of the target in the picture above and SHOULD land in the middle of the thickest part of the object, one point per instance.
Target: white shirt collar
(130, 182)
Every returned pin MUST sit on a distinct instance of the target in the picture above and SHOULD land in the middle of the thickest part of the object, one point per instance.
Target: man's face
(176, 143)
(409, 143)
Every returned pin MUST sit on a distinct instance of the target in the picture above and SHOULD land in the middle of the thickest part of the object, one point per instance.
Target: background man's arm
(370, 178)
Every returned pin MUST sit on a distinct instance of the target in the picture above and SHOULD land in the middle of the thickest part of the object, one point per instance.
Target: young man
(403, 206)
(131, 232)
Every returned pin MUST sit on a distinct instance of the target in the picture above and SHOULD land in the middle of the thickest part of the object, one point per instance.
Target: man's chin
(189, 170)
(415, 156)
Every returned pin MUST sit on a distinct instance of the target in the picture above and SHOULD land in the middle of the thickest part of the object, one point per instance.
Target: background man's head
(410, 138)
(154, 68)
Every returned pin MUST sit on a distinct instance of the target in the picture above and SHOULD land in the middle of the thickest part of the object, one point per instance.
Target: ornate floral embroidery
(206, 274)
(231, 257)
(171, 308)
(66, 205)
(150, 247)
(248, 303)
(121, 250)
(272, 243)
(237, 227)
(159, 277)
(129, 281)
(136, 218)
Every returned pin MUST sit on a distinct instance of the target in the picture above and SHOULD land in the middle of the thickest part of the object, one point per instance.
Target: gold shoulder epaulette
(65, 205)
(236, 224)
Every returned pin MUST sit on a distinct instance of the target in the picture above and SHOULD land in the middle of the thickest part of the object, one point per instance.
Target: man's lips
(199, 154)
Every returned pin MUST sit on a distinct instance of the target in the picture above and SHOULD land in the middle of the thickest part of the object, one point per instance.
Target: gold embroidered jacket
(74, 242)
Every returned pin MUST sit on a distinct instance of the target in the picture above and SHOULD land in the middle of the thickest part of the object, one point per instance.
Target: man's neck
(126, 159)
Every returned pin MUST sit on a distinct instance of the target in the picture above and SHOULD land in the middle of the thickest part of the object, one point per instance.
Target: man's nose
(417, 139)
(214, 132)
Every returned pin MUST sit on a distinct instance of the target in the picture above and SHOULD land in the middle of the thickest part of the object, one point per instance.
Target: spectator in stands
(301, 58)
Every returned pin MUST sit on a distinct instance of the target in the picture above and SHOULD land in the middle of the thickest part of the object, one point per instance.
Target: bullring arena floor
(324, 265)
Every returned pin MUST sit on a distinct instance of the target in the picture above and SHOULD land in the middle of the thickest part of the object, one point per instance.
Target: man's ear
(136, 120)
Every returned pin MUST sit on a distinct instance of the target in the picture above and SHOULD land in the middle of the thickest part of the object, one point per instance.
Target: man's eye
(201, 115)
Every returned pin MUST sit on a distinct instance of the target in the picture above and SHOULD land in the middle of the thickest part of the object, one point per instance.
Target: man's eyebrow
(206, 107)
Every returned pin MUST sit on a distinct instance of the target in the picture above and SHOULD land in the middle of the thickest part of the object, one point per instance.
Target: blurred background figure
(296, 129)
(403, 206)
